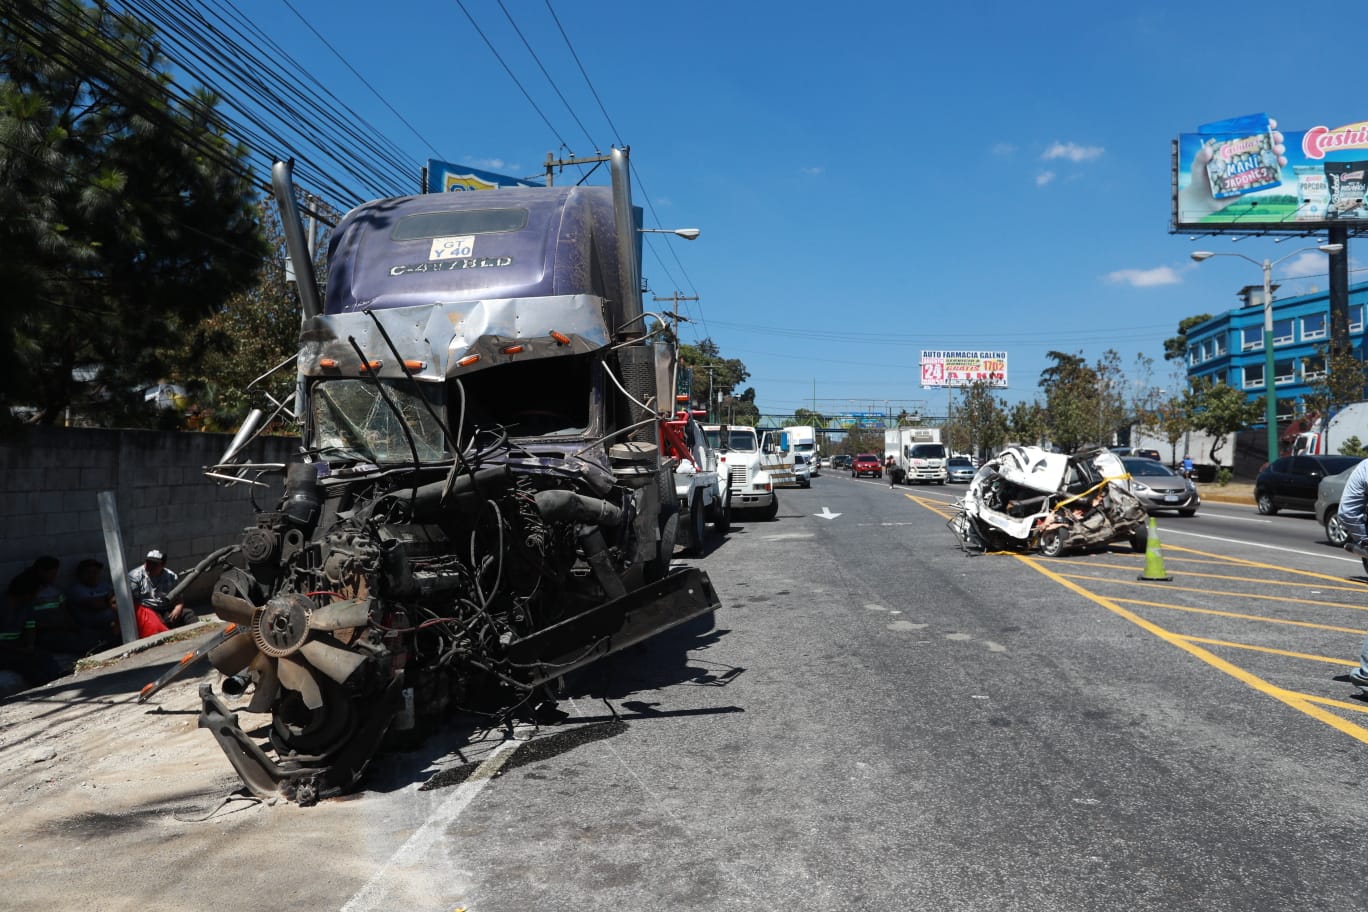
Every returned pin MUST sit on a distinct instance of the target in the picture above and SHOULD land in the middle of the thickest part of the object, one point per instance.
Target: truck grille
(736, 477)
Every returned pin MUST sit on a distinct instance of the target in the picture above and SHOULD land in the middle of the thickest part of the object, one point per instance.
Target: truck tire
(698, 529)
(1052, 542)
(722, 518)
(659, 565)
(772, 511)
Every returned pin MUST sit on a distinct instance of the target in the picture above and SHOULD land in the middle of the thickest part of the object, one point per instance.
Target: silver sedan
(1160, 488)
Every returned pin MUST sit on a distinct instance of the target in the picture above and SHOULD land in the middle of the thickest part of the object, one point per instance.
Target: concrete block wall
(50, 479)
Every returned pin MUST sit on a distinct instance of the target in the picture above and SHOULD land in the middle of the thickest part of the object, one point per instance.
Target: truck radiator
(638, 376)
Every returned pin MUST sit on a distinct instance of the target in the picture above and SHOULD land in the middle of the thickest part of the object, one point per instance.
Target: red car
(866, 464)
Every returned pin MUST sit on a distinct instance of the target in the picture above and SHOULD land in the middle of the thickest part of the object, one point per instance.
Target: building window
(1251, 338)
(1192, 354)
(1284, 371)
(1207, 349)
(1282, 331)
(1356, 318)
(1219, 345)
(1253, 376)
(1313, 368)
(1313, 326)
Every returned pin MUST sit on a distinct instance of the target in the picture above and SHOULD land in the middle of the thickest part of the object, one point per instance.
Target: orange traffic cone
(1154, 557)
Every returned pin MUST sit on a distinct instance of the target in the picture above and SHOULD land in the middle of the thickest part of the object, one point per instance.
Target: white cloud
(1144, 278)
(1044, 177)
(1311, 264)
(1072, 151)
(1004, 148)
(813, 171)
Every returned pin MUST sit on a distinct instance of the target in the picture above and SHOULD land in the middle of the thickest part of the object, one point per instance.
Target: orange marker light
(327, 362)
(513, 350)
(467, 360)
(560, 337)
(416, 365)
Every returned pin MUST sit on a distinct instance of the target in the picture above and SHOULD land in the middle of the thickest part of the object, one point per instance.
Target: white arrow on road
(826, 513)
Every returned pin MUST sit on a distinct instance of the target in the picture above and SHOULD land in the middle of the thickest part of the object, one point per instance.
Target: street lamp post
(1270, 391)
(687, 234)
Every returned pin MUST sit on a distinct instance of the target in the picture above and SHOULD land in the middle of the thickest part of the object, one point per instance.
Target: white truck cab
(740, 460)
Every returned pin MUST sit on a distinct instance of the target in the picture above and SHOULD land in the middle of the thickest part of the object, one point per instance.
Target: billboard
(1245, 175)
(961, 368)
(445, 177)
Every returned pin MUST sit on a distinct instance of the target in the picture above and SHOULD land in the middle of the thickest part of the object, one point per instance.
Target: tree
(1219, 409)
(713, 374)
(1026, 423)
(983, 418)
(804, 417)
(256, 330)
(128, 214)
(1342, 378)
(1071, 400)
(1175, 347)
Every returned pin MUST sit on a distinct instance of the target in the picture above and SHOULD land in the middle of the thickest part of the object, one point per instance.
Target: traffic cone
(1154, 557)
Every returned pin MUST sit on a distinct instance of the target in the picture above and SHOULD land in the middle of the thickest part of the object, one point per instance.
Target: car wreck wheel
(1052, 542)
(1265, 502)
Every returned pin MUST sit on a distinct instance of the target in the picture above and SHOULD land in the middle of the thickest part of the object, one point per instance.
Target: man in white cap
(150, 585)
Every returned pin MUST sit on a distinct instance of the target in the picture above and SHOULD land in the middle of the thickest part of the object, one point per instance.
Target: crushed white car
(1029, 499)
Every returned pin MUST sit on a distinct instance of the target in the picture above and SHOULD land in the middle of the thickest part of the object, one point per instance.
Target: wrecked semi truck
(480, 505)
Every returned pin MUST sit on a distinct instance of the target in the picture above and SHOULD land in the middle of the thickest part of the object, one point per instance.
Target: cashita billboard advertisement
(1246, 174)
(446, 177)
(961, 368)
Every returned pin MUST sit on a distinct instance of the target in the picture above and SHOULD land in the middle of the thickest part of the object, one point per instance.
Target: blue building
(1230, 347)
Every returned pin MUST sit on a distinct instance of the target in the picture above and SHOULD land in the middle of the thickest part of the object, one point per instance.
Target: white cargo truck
(1328, 438)
(740, 461)
(919, 456)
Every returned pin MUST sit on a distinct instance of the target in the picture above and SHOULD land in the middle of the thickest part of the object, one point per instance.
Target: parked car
(1328, 495)
(841, 461)
(1292, 482)
(802, 470)
(960, 468)
(866, 464)
(1160, 488)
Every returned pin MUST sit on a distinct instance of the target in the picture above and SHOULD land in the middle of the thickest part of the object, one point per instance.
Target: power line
(497, 56)
(549, 80)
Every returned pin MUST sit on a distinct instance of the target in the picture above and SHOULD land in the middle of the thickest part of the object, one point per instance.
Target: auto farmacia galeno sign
(1245, 174)
(961, 368)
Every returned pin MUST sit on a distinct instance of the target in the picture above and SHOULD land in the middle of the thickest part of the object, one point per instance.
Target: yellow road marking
(1243, 595)
(1268, 649)
(1253, 563)
(1326, 701)
(1289, 698)
(1238, 579)
(1235, 615)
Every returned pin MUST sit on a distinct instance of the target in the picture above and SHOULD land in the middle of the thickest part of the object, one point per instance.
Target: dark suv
(866, 464)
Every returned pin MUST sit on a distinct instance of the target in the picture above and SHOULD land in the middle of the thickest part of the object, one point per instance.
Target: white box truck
(919, 456)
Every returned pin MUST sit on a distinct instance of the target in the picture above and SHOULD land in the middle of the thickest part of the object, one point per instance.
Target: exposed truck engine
(481, 504)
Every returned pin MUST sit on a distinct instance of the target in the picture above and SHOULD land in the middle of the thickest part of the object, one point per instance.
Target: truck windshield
(742, 441)
(928, 451)
(352, 422)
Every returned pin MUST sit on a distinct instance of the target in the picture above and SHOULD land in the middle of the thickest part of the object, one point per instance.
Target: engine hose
(567, 506)
(431, 500)
(596, 553)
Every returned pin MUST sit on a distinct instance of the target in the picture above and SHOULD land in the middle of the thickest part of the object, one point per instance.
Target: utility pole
(674, 300)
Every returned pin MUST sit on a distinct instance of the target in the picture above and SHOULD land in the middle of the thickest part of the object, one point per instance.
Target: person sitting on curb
(150, 585)
(91, 601)
(19, 650)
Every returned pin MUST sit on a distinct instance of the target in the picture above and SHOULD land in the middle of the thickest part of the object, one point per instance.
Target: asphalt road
(876, 720)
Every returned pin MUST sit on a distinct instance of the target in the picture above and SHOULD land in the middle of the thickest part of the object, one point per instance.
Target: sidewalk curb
(110, 656)
(1228, 499)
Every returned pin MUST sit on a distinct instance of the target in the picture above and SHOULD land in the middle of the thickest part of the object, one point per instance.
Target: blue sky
(872, 179)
